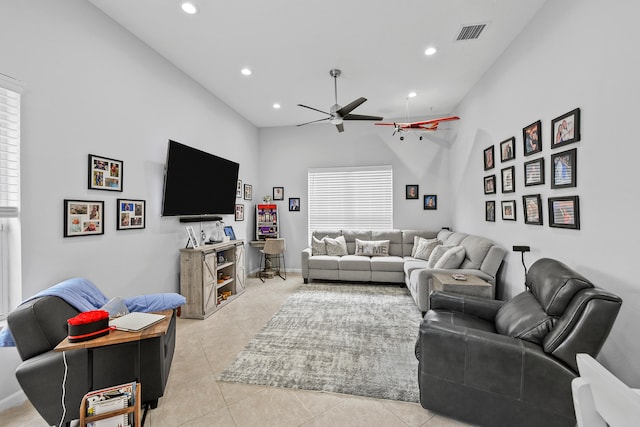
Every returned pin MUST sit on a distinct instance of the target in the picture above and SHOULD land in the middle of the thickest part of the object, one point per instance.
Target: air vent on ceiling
(471, 32)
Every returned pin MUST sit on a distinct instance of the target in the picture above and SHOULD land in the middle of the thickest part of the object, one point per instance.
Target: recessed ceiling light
(189, 8)
(430, 51)
(276, 106)
(412, 94)
(246, 71)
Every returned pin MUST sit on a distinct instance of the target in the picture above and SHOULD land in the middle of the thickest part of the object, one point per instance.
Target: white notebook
(134, 322)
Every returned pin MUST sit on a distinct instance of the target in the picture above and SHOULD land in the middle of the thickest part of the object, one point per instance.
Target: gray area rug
(342, 338)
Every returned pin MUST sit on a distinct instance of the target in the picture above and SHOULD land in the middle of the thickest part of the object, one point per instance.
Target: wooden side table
(473, 285)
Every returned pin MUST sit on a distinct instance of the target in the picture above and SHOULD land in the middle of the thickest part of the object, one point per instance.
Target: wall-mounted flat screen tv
(197, 183)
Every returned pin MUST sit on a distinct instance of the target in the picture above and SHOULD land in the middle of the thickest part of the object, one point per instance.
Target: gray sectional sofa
(482, 258)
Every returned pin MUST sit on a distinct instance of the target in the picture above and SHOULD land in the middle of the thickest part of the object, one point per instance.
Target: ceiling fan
(338, 113)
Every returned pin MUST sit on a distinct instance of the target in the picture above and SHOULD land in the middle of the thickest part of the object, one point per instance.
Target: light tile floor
(204, 348)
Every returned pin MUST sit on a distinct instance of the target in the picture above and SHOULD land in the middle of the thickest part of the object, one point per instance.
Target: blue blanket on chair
(85, 296)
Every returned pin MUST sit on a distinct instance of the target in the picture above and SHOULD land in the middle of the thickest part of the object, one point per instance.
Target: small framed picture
(228, 231)
(411, 192)
(83, 217)
(564, 212)
(532, 206)
(534, 172)
(509, 210)
(239, 189)
(490, 211)
(239, 213)
(105, 173)
(294, 204)
(565, 129)
(490, 184)
(278, 193)
(248, 192)
(193, 240)
(430, 201)
(489, 158)
(130, 214)
(508, 149)
(564, 169)
(508, 180)
(531, 138)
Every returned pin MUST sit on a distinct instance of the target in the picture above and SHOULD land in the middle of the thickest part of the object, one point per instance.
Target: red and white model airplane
(423, 126)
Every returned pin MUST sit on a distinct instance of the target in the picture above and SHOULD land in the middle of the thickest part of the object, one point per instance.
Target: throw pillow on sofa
(436, 254)
(452, 258)
(318, 247)
(372, 247)
(337, 246)
(425, 247)
(446, 257)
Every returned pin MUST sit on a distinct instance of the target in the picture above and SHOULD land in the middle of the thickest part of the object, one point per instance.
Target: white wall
(92, 88)
(287, 153)
(573, 54)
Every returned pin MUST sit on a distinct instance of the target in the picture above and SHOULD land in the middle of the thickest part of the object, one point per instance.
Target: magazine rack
(135, 409)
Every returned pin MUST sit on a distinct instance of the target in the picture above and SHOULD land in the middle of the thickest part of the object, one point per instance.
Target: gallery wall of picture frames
(563, 211)
(87, 217)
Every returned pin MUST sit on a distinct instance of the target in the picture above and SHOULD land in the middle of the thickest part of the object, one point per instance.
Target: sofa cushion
(319, 234)
(355, 262)
(554, 285)
(372, 247)
(454, 239)
(387, 263)
(318, 247)
(523, 317)
(476, 249)
(425, 247)
(444, 234)
(337, 246)
(324, 262)
(411, 264)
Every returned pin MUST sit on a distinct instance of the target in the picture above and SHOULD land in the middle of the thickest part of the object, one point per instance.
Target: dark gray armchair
(496, 363)
(41, 323)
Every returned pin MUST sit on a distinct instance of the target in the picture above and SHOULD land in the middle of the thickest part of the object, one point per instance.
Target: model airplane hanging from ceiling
(423, 126)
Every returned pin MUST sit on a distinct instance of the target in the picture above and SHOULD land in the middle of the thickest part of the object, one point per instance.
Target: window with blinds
(353, 197)
(9, 186)
(9, 153)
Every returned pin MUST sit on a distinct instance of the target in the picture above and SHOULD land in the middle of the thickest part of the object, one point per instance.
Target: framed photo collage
(563, 210)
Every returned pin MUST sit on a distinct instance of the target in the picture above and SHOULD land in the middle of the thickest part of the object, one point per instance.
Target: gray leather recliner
(496, 363)
(38, 325)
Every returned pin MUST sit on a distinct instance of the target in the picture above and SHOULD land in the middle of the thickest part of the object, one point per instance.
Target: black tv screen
(197, 183)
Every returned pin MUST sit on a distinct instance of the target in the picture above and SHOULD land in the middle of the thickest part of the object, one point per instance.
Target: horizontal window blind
(9, 153)
(354, 198)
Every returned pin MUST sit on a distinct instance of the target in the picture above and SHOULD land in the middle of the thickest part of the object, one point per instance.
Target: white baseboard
(15, 399)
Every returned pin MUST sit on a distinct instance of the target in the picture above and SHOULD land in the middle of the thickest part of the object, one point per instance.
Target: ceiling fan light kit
(338, 113)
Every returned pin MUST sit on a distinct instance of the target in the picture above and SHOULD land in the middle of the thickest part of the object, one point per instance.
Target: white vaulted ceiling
(290, 46)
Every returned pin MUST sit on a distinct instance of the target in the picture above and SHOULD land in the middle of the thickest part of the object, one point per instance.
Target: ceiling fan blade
(313, 121)
(360, 117)
(340, 127)
(314, 109)
(350, 107)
